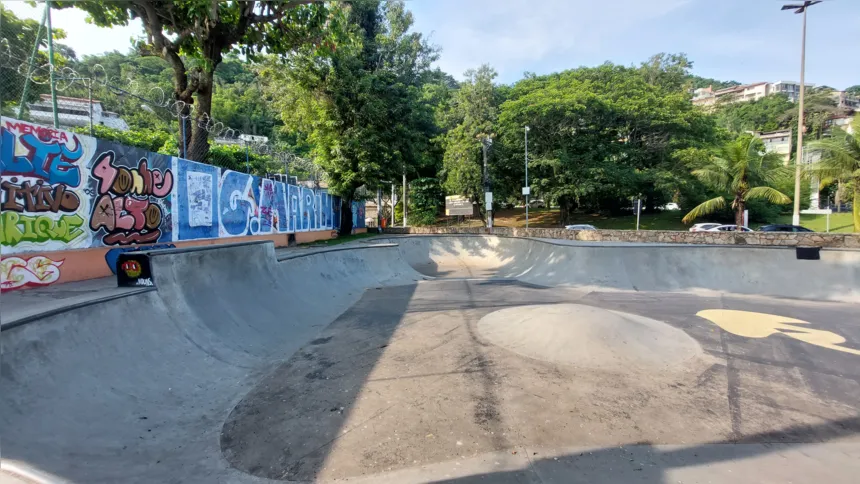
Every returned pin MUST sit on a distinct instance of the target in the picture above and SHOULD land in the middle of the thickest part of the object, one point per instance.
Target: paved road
(353, 365)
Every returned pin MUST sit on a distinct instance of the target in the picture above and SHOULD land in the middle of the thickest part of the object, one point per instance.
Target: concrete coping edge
(617, 244)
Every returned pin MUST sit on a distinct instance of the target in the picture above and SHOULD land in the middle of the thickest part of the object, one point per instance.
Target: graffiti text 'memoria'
(48, 157)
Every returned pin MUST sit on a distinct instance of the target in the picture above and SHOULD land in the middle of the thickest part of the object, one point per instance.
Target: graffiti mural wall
(62, 190)
(43, 176)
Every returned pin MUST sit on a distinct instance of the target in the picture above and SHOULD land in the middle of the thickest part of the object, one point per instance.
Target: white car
(580, 227)
(704, 227)
(729, 228)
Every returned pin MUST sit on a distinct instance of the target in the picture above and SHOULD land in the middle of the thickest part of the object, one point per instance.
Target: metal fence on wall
(84, 101)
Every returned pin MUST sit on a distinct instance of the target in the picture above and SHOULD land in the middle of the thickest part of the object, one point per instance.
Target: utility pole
(488, 194)
(30, 65)
(526, 189)
(378, 209)
(795, 216)
(51, 63)
(404, 196)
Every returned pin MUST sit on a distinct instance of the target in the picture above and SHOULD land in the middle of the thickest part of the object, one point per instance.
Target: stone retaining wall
(809, 239)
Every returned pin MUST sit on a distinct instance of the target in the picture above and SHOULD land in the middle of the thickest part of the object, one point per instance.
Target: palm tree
(742, 169)
(840, 160)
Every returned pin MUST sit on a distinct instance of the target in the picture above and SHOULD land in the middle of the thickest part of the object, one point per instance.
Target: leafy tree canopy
(194, 35)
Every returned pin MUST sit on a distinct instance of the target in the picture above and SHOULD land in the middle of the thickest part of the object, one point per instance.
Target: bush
(425, 200)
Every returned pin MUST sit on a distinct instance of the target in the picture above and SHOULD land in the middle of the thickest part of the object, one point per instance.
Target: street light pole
(795, 216)
(488, 195)
(526, 187)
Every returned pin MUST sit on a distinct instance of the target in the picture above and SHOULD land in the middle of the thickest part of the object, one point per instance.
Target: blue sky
(744, 40)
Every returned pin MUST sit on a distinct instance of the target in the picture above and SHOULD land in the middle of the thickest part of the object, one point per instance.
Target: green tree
(19, 35)
(840, 160)
(360, 108)
(818, 107)
(696, 82)
(601, 136)
(425, 199)
(765, 114)
(855, 90)
(471, 118)
(743, 170)
(193, 36)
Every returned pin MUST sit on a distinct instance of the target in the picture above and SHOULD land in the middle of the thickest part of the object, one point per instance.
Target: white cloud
(84, 38)
(509, 33)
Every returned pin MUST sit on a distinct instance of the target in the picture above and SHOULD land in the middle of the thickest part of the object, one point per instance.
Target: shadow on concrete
(285, 426)
(646, 463)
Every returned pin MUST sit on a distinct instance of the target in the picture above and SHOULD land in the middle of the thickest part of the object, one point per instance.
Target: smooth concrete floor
(404, 388)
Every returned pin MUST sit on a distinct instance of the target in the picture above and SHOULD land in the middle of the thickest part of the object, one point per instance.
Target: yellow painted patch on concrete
(761, 325)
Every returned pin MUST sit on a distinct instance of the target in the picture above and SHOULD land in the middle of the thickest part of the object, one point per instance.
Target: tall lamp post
(488, 194)
(795, 216)
(526, 187)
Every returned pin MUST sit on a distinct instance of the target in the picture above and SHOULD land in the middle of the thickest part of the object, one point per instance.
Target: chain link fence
(132, 109)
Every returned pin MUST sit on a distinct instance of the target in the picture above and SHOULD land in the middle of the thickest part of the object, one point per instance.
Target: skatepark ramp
(768, 271)
(137, 388)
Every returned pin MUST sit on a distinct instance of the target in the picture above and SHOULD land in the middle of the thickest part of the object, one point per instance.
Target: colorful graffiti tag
(16, 272)
(62, 190)
(132, 202)
(41, 175)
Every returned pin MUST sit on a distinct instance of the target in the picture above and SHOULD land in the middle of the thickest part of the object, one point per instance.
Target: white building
(74, 112)
(843, 122)
(789, 88)
(777, 142)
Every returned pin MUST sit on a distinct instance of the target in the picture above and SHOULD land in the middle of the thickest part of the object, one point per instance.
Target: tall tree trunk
(838, 196)
(345, 216)
(740, 206)
(198, 146)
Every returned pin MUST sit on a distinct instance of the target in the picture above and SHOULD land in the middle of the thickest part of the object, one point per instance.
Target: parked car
(703, 227)
(783, 228)
(670, 206)
(537, 203)
(729, 228)
(580, 227)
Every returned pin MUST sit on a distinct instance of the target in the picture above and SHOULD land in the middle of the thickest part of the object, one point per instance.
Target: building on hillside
(707, 96)
(777, 142)
(842, 121)
(846, 101)
(753, 92)
(789, 88)
(704, 96)
(74, 112)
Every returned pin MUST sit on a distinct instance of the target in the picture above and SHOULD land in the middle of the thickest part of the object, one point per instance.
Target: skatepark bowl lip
(158, 385)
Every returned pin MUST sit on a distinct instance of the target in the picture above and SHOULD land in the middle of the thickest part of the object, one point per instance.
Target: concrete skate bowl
(767, 271)
(136, 389)
(349, 363)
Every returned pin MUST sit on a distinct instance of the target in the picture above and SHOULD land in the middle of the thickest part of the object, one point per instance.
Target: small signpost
(458, 205)
(820, 211)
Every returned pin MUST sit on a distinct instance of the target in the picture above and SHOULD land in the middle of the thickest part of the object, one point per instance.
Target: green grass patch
(665, 220)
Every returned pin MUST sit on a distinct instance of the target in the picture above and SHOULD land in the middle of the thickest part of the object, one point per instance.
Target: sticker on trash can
(134, 270)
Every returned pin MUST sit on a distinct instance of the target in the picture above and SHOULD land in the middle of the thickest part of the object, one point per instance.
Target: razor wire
(155, 100)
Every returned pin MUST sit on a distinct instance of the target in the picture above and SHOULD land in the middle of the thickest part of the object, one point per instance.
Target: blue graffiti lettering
(236, 203)
(51, 161)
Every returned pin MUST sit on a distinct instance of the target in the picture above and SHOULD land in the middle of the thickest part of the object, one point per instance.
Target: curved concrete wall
(768, 271)
(136, 389)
